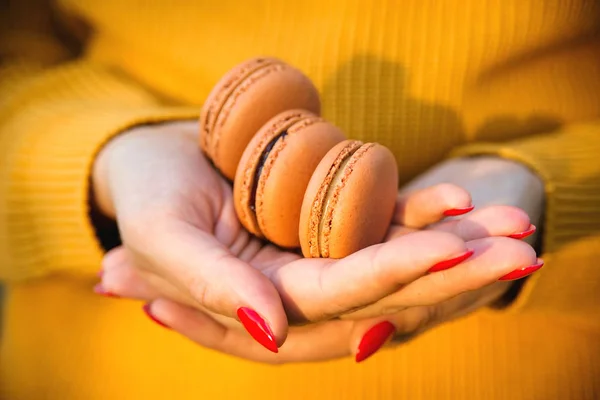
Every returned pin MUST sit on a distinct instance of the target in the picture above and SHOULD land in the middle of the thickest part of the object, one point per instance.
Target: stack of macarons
(298, 182)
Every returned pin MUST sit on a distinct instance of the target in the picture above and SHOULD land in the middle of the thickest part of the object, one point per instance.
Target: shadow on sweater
(369, 99)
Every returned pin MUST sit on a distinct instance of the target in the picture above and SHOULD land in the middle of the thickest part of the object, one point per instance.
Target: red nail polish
(447, 264)
(99, 289)
(257, 327)
(524, 234)
(374, 339)
(458, 211)
(522, 272)
(146, 309)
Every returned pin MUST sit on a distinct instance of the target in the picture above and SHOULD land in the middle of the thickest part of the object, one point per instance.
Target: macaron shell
(244, 178)
(365, 205)
(222, 90)
(286, 175)
(308, 229)
(255, 101)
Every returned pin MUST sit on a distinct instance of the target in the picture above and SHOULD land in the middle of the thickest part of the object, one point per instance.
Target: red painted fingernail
(458, 211)
(99, 289)
(374, 339)
(522, 272)
(447, 264)
(524, 234)
(257, 327)
(146, 309)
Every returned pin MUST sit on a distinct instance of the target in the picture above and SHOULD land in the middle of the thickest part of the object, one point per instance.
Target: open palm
(182, 241)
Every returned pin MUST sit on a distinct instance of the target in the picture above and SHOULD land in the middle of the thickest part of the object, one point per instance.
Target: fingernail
(451, 262)
(257, 327)
(374, 339)
(146, 309)
(99, 289)
(100, 273)
(524, 234)
(458, 211)
(522, 272)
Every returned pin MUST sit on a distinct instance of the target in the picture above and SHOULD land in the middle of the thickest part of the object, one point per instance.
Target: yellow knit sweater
(430, 79)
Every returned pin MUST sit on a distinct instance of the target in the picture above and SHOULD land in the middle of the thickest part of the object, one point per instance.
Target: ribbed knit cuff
(47, 199)
(58, 121)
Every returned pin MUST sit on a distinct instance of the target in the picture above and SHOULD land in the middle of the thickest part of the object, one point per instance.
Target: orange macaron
(274, 172)
(243, 100)
(349, 201)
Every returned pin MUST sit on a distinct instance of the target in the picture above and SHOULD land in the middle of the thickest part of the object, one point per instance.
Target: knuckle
(431, 314)
(334, 307)
(379, 265)
(201, 292)
(446, 188)
(114, 258)
(443, 280)
(115, 282)
(413, 323)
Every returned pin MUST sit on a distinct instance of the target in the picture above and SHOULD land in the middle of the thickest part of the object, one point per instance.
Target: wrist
(117, 153)
(100, 195)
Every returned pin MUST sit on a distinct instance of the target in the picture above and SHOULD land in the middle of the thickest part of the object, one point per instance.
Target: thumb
(197, 263)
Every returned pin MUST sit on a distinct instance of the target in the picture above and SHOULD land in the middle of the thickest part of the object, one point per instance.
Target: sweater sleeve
(53, 121)
(568, 161)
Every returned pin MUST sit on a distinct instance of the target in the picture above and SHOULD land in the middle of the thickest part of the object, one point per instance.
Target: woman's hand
(184, 242)
(321, 341)
(416, 307)
(177, 222)
(490, 181)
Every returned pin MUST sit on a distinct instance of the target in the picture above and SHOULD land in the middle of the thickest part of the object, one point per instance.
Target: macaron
(274, 172)
(349, 201)
(243, 100)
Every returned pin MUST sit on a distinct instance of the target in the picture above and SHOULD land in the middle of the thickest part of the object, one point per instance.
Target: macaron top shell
(275, 170)
(244, 100)
(221, 91)
(349, 201)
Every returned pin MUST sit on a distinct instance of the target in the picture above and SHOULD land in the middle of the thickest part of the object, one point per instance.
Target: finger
(485, 222)
(369, 335)
(494, 259)
(425, 206)
(122, 278)
(198, 264)
(114, 256)
(314, 343)
(316, 289)
(489, 221)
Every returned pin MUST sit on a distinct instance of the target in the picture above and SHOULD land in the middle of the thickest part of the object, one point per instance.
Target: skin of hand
(182, 241)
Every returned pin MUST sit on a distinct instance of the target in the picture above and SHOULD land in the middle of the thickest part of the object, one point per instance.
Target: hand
(321, 341)
(411, 320)
(490, 181)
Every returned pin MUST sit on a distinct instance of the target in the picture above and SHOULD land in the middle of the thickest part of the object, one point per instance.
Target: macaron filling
(328, 195)
(259, 168)
(325, 223)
